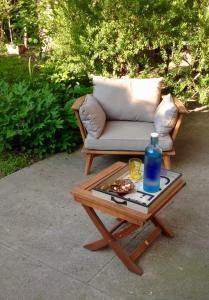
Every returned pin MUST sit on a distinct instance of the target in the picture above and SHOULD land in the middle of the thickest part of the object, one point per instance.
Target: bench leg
(89, 159)
(167, 161)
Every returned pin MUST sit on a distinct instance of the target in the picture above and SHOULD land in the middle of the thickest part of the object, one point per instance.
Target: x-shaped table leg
(100, 244)
(111, 241)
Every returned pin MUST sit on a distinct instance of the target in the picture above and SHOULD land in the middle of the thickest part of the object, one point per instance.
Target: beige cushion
(128, 99)
(92, 116)
(126, 135)
(166, 115)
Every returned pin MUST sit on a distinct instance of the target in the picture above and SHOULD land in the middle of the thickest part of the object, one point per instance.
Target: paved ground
(42, 231)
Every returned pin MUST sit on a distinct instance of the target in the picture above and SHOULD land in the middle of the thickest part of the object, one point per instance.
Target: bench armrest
(76, 105)
(182, 112)
(181, 108)
(78, 102)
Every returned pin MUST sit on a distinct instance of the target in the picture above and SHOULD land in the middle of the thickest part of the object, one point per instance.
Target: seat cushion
(165, 115)
(126, 135)
(128, 99)
(92, 116)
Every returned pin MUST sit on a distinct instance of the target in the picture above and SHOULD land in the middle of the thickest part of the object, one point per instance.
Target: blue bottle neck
(154, 141)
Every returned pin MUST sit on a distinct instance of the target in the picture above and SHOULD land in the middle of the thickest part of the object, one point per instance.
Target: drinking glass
(134, 166)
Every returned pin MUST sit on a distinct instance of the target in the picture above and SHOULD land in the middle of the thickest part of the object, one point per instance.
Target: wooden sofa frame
(91, 153)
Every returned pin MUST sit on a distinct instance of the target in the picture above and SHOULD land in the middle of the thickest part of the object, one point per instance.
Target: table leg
(102, 243)
(160, 228)
(165, 230)
(109, 238)
(145, 244)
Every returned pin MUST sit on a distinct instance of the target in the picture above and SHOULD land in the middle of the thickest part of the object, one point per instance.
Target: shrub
(37, 118)
(116, 38)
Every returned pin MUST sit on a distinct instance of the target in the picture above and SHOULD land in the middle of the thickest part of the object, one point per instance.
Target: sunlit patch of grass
(14, 68)
(12, 162)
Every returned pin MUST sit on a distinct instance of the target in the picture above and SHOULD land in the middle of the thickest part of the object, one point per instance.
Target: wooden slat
(78, 102)
(125, 231)
(146, 243)
(80, 125)
(122, 152)
(100, 244)
(113, 209)
(96, 179)
(181, 108)
(118, 225)
(175, 131)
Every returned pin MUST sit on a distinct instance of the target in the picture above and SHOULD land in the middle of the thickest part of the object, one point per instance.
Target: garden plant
(110, 38)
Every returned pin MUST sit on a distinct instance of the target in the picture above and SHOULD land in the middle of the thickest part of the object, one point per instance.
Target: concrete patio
(42, 231)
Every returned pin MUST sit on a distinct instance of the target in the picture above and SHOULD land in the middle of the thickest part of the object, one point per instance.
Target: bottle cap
(154, 135)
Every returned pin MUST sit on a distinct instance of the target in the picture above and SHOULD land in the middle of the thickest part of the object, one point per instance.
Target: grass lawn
(13, 68)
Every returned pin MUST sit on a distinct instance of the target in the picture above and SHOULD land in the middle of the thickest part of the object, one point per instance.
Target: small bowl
(121, 186)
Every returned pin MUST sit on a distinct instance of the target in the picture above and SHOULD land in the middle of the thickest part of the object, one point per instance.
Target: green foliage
(110, 33)
(35, 119)
(5, 8)
(23, 17)
(115, 38)
(57, 72)
(3, 48)
(179, 82)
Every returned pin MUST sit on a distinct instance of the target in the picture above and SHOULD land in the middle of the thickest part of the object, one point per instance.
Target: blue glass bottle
(152, 165)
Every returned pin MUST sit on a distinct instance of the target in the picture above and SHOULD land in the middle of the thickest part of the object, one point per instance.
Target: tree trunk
(25, 38)
(10, 31)
(167, 60)
(1, 32)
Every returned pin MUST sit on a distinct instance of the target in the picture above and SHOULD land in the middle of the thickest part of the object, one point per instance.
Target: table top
(82, 194)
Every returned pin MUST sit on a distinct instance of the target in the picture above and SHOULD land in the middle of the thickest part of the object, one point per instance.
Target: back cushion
(128, 99)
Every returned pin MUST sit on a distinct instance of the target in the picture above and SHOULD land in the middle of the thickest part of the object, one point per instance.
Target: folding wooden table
(129, 220)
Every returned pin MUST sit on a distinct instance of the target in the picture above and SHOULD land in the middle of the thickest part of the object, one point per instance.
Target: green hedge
(135, 38)
(37, 117)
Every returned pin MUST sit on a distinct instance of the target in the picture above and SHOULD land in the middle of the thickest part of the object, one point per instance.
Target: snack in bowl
(121, 186)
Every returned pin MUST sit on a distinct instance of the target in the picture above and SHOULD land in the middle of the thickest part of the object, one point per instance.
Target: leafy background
(104, 37)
